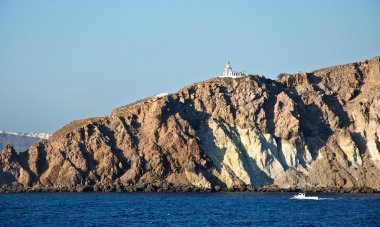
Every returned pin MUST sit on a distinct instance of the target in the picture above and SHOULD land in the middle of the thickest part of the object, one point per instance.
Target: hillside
(20, 141)
(316, 131)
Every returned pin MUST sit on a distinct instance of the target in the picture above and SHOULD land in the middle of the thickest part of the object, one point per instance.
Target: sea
(187, 209)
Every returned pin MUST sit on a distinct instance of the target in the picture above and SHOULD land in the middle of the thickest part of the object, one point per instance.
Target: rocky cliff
(307, 131)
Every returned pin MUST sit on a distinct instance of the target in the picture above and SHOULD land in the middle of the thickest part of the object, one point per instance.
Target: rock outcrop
(317, 131)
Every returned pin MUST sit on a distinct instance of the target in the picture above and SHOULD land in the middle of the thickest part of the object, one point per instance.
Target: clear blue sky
(65, 60)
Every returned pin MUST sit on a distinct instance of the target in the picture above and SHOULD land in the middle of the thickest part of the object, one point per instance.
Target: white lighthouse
(229, 73)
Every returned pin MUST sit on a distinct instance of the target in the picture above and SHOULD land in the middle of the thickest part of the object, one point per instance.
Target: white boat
(303, 196)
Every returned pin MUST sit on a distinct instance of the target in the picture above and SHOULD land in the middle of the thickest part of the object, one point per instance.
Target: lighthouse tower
(228, 70)
(229, 73)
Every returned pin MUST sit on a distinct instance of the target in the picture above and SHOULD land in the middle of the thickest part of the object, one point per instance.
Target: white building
(229, 73)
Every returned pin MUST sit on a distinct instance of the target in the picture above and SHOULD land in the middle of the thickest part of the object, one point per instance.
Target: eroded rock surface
(307, 131)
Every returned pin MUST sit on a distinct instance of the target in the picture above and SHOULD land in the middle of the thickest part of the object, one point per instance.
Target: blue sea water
(187, 209)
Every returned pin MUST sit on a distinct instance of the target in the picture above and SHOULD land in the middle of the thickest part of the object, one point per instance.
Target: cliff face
(308, 131)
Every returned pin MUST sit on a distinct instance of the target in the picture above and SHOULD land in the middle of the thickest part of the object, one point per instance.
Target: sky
(67, 60)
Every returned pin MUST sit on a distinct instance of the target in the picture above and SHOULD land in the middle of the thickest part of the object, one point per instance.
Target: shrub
(281, 75)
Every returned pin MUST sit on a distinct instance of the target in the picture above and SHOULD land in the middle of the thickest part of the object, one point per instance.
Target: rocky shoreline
(170, 189)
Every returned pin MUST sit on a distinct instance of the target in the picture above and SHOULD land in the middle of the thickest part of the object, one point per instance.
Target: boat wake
(325, 199)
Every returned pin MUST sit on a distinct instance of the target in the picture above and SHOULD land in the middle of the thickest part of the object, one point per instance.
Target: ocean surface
(187, 209)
